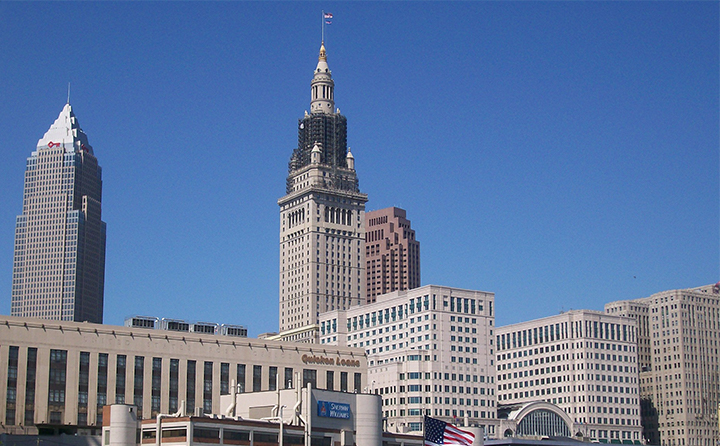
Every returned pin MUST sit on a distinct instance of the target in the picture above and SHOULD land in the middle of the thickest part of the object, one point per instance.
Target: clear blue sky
(561, 154)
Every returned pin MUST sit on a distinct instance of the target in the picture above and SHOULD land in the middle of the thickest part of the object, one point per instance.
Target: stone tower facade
(322, 224)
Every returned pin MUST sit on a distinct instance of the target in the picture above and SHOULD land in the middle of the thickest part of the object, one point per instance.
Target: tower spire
(322, 86)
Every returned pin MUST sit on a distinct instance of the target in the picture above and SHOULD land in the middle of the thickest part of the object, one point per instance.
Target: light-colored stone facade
(583, 361)
(680, 376)
(430, 352)
(392, 254)
(59, 264)
(62, 373)
(322, 225)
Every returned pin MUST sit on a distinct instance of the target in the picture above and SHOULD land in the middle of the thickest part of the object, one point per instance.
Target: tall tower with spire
(322, 224)
(59, 264)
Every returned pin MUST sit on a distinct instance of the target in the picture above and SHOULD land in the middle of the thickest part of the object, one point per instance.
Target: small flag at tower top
(326, 16)
(438, 432)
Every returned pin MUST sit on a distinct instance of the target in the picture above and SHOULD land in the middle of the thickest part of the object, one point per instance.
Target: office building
(392, 255)
(59, 264)
(679, 333)
(430, 352)
(584, 362)
(58, 375)
(322, 225)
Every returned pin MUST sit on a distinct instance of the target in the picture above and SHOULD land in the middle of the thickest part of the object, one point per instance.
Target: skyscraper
(59, 265)
(678, 332)
(322, 225)
(392, 254)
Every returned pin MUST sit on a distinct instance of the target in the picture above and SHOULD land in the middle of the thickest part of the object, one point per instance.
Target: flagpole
(423, 431)
(322, 25)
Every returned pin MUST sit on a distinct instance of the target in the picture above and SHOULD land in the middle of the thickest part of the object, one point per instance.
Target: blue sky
(560, 154)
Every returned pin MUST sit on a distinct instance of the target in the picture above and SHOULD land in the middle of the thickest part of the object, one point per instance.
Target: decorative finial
(323, 54)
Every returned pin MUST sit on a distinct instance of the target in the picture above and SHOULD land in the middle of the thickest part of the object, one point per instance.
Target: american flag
(328, 15)
(438, 432)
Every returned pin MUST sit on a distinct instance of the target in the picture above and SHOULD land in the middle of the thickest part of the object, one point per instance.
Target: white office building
(430, 352)
(584, 362)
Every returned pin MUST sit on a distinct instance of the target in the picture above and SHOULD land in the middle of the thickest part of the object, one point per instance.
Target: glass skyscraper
(59, 264)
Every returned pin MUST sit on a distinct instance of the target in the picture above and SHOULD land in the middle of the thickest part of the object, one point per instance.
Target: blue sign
(329, 409)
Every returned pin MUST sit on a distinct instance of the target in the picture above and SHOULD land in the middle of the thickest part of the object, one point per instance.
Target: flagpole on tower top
(326, 16)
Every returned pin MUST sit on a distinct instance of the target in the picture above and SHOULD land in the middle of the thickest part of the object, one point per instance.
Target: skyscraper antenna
(68, 101)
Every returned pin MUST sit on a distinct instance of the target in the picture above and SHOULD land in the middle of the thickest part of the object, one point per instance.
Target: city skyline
(558, 155)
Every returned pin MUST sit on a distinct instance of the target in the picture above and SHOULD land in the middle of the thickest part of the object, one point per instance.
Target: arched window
(543, 422)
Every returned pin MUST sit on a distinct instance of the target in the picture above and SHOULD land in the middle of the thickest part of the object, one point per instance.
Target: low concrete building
(313, 418)
(59, 375)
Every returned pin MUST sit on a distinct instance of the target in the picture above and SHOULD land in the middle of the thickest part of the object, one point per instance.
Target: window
(330, 380)
(289, 378)
(272, 378)
(174, 376)
(224, 378)
(207, 386)
(156, 386)
(257, 378)
(56, 388)
(30, 387)
(190, 387)
(343, 381)
(241, 378)
(10, 399)
(310, 376)
(83, 379)
(102, 377)
(120, 370)
(138, 378)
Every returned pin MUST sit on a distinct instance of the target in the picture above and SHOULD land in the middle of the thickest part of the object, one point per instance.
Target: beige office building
(430, 352)
(680, 375)
(322, 224)
(584, 362)
(392, 254)
(59, 263)
(58, 375)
